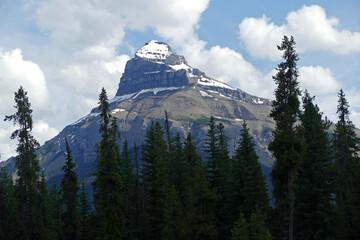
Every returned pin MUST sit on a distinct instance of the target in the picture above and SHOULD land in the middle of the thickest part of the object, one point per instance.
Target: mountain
(155, 80)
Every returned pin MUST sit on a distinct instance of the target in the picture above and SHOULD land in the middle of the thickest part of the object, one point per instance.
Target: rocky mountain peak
(156, 68)
(154, 50)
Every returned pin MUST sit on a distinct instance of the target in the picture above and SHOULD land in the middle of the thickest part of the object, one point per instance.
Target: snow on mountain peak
(154, 50)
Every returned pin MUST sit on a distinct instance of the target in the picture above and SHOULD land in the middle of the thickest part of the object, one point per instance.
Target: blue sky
(64, 51)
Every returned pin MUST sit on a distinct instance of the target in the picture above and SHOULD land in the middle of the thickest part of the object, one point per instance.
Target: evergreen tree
(249, 187)
(69, 190)
(257, 226)
(286, 146)
(55, 212)
(45, 225)
(28, 182)
(84, 212)
(177, 166)
(240, 230)
(126, 168)
(201, 200)
(315, 178)
(108, 184)
(8, 215)
(154, 180)
(347, 167)
(212, 149)
(174, 217)
(218, 171)
(254, 229)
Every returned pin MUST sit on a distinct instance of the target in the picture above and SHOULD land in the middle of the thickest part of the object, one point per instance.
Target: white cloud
(311, 28)
(16, 71)
(90, 32)
(77, 24)
(8, 146)
(228, 66)
(84, 79)
(318, 80)
(43, 132)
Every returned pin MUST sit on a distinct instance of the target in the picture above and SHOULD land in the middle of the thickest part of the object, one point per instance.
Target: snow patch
(211, 82)
(151, 72)
(117, 110)
(85, 118)
(181, 66)
(156, 90)
(257, 101)
(154, 50)
(121, 98)
(205, 94)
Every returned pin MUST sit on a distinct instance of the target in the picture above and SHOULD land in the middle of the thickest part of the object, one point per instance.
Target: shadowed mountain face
(154, 81)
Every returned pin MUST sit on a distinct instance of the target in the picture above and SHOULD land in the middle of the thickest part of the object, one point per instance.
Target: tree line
(167, 191)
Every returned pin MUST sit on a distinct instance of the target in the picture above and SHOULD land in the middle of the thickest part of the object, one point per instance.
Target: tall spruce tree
(286, 146)
(200, 199)
(240, 230)
(108, 184)
(8, 216)
(177, 166)
(315, 178)
(69, 190)
(84, 211)
(28, 182)
(212, 149)
(347, 167)
(126, 168)
(218, 171)
(174, 228)
(55, 212)
(249, 187)
(154, 180)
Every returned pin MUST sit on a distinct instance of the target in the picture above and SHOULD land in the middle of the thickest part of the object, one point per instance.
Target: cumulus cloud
(43, 131)
(91, 31)
(85, 79)
(228, 66)
(318, 80)
(311, 27)
(73, 24)
(16, 71)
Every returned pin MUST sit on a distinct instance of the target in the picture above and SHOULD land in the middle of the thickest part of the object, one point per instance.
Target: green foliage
(257, 226)
(253, 229)
(108, 185)
(248, 183)
(347, 167)
(287, 145)
(84, 212)
(154, 180)
(201, 200)
(315, 180)
(240, 230)
(126, 170)
(28, 183)
(174, 217)
(55, 212)
(69, 190)
(8, 217)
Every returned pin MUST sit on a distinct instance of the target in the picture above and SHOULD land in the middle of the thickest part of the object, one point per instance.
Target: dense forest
(167, 191)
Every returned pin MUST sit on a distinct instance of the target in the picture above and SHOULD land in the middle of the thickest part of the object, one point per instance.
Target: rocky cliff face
(155, 80)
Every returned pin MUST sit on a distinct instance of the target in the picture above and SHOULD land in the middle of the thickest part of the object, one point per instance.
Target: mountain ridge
(155, 80)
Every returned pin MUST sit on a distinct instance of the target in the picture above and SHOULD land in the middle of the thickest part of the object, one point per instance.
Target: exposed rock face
(154, 81)
(146, 74)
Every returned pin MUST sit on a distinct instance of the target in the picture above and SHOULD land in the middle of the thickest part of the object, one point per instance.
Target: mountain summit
(156, 68)
(155, 80)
